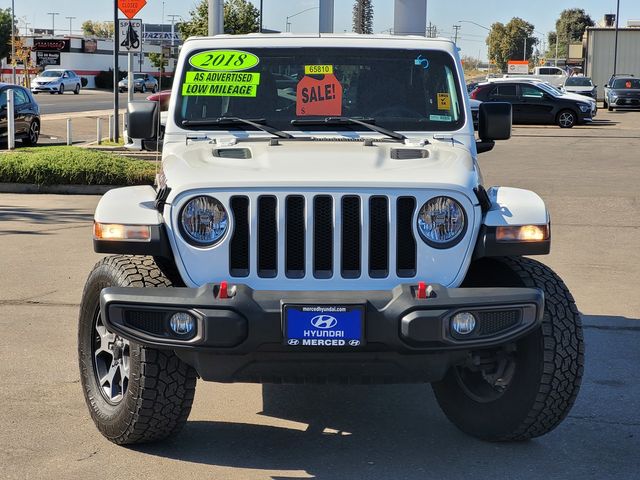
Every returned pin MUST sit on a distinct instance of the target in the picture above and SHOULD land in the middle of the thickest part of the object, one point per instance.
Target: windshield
(51, 73)
(633, 83)
(578, 82)
(395, 89)
(138, 76)
(550, 89)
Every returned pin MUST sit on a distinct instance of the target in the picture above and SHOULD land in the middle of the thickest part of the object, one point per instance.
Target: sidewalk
(83, 126)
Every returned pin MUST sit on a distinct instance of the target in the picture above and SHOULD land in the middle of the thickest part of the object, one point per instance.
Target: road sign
(130, 35)
(130, 8)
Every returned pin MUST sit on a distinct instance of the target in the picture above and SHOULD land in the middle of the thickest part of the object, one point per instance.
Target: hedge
(73, 166)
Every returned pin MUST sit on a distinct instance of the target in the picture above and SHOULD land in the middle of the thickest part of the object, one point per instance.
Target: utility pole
(615, 48)
(13, 42)
(116, 71)
(260, 16)
(215, 17)
(70, 19)
(456, 28)
(173, 20)
(53, 22)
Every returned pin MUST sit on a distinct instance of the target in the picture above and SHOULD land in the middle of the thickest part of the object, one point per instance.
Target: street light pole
(287, 25)
(615, 48)
(70, 19)
(53, 22)
(13, 42)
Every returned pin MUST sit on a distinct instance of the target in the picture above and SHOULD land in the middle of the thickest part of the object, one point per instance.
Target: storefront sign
(47, 58)
(51, 45)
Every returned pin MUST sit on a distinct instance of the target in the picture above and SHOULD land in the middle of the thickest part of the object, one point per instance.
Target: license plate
(323, 326)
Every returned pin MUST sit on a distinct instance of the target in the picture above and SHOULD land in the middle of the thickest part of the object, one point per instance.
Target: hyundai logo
(293, 341)
(324, 321)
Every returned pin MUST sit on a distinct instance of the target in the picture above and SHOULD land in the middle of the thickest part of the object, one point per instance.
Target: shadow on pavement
(44, 216)
(398, 431)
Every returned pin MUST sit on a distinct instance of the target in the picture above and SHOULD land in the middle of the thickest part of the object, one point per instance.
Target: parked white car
(56, 81)
(580, 86)
(342, 234)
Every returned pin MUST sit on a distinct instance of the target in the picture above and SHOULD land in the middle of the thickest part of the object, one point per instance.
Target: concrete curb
(56, 189)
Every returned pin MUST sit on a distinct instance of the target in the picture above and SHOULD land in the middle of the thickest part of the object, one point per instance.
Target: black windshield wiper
(237, 121)
(347, 121)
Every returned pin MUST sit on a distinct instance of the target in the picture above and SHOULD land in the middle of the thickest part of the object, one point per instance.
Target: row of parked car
(538, 102)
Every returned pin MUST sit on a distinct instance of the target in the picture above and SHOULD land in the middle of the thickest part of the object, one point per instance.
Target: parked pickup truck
(554, 75)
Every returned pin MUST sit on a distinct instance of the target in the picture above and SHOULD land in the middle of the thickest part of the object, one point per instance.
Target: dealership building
(88, 56)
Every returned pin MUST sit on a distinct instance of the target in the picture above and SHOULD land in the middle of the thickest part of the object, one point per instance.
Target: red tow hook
(224, 292)
(424, 291)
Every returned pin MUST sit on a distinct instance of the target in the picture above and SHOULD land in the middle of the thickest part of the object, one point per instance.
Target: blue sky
(443, 13)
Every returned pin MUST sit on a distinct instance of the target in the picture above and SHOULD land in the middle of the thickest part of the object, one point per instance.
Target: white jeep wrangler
(320, 217)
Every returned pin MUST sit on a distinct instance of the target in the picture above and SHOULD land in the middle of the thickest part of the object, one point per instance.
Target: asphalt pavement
(86, 100)
(589, 178)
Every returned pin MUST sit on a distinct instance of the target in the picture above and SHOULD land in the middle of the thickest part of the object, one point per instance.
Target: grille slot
(239, 246)
(323, 236)
(151, 322)
(295, 236)
(267, 237)
(494, 322)
(378, 237)
(405, 241)
(351, 237)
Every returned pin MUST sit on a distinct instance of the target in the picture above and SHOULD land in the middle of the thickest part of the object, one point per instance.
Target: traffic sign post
(130, 9)
(130, 40)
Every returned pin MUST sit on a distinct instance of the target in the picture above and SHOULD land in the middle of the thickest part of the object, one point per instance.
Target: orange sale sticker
(319, 97)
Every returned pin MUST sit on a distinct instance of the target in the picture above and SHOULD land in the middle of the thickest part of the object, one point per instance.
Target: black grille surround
(323, 236)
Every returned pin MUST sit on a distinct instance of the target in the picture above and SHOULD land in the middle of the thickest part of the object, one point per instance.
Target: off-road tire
(161, 387)
(549, 362)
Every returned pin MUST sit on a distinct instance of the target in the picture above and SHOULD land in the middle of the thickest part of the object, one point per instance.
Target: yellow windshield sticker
(224, 60)
(444, 101)
(221, 84)
(318, 69)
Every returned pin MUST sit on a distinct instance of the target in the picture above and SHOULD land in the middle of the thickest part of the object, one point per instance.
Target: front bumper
(628, 102)
(45, 88)
(241, 338)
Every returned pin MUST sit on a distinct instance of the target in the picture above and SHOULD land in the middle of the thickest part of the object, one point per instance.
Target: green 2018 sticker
(224, 60)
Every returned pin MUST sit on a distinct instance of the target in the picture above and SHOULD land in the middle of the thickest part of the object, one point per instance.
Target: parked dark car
(27, 115)
(622, 92)
(536, 103)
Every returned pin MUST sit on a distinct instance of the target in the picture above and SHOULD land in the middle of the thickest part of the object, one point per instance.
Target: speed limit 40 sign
(130, 34)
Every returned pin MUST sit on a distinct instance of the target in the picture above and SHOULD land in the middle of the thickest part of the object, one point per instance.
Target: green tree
(570, 27)
(5, 32)
(363, 16)
(97, 29)
(507, 42)
(158, 61)
(240, 16)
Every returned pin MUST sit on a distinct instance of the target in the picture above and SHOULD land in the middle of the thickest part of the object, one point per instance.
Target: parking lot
(588, 176)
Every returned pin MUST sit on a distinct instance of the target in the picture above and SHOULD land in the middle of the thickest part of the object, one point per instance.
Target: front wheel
(61, 90)
(566, 119)
(33, 134)
(135, 394)
(527, 388)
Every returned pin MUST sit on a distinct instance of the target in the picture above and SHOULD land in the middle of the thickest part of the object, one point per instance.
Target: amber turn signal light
(115, 231)
(522, 233)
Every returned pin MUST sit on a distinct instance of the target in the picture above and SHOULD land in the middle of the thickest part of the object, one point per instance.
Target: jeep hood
(318, 163)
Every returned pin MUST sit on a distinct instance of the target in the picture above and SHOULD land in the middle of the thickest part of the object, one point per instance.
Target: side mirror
(494, 123)
(143, 120)
(606, 85)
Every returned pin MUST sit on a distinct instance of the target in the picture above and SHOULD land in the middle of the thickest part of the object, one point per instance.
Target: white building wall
(600, 53)
(88, 64)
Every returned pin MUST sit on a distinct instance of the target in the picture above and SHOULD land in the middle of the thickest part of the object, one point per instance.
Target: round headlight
(204, 221)
(441, 222)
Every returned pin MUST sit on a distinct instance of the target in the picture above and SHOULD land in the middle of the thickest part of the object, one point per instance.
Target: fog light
(182, 323)
(463, 323)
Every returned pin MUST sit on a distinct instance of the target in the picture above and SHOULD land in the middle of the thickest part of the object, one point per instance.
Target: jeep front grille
(323, 236)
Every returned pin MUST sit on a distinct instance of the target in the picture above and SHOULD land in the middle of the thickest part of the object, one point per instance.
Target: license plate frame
(300, 320)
